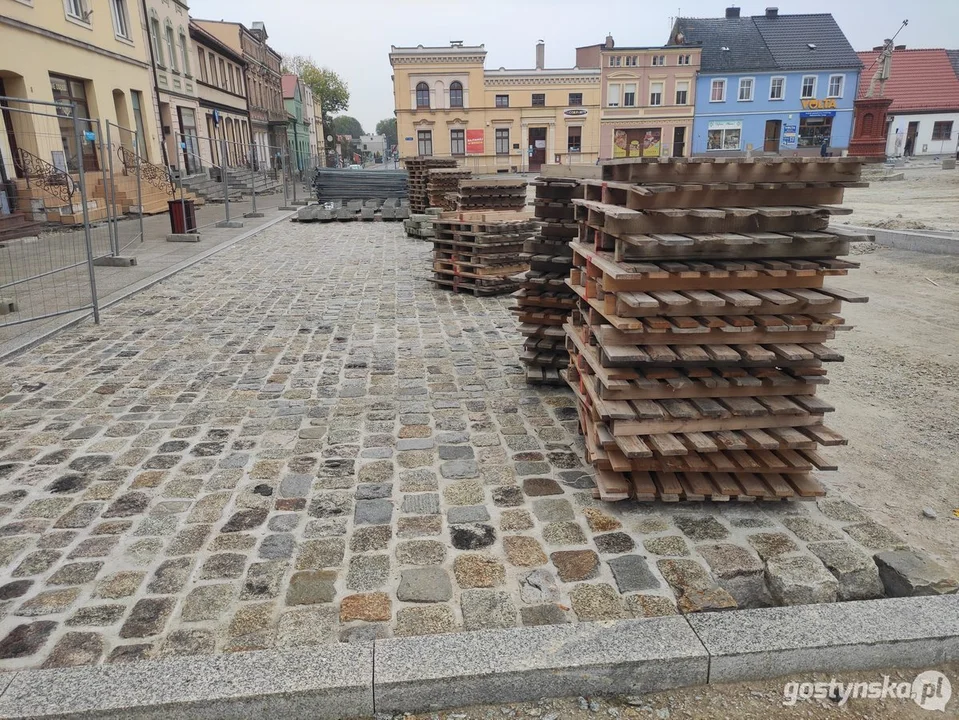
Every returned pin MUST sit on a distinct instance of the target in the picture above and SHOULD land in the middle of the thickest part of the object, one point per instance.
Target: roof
(954, 59)
(289, 86)
(788, 38)
(920, 80)
(206, 39)
(758, 42)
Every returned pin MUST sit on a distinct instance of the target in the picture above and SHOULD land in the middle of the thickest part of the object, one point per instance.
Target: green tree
(346, 125)
(333, 91)
(387, 127)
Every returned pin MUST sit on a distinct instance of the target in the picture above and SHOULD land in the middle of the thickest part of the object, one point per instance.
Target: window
(808, 87)
(746, 89)
(659, 59)
(539, 99)
(656, 93)
(77, 9)
(184, 53)
(232, 78)
(502, 141)
(836, 83)
(615, 60)
(456, 94)
(574, 139)
(777, 88)
(575, 99)
(629, 95)
(682, 92)
(202, 58)
(223, 78)
(612, 95)
(717, 91)
(422, 96)
(631, 60)
(155, 40)
(458, 142)
(121, 23)
(502, 101)
(682, 60)
(724, 135)
(813, 130)
(424, 142)
(942, 130)
(213, 76)
(170, 48)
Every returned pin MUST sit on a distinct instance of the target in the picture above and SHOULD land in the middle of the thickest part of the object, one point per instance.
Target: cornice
(437, 59)
(534, 81)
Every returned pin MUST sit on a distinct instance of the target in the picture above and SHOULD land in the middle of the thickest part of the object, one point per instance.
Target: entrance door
(772, 135)
(73, 91)
(679, 142)
(191, 145)
(911, 133)
(11, 135)
(537, 141)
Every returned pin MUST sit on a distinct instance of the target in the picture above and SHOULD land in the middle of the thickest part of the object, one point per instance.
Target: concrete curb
(433, 672)
(924, 241)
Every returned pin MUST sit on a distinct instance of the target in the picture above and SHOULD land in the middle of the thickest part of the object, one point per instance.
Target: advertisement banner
(638, 142)
(474, 142)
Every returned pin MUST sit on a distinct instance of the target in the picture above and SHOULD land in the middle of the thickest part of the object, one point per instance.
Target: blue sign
(789, 129)
(89, 135)
(409, 139)
(216, 118)
(819, 113)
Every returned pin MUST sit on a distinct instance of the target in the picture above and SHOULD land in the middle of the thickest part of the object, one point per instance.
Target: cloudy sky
(354, 39)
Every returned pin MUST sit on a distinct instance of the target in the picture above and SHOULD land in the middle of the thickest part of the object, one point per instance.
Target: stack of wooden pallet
(480, 252)
(419, 171)
(545, 300)
(491, 194)
(443, 182)
(705, 300)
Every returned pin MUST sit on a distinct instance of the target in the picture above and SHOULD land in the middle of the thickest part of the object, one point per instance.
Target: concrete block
(183, 237)
(300, 203)
(388, 212)
(328, 681)
(498, 666)
(288, 207)
(927, 241)
(229, 224)
(857, 635)
(402, 212)
(253, 215)
(115, 261)
(949, 163)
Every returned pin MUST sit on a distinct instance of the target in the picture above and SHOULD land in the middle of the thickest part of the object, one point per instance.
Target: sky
(355, 40)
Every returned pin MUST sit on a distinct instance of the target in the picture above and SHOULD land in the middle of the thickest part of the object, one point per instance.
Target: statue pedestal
(869, 128)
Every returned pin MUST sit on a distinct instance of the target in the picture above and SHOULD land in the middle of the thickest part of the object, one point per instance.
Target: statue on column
(884, 61)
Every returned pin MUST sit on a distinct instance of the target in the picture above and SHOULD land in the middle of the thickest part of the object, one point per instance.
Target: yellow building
(88, 52)
(448, 104)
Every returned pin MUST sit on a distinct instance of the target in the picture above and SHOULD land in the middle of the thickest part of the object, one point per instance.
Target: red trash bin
(182, 216)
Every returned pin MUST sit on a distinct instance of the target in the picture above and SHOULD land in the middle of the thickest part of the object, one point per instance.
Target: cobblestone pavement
(302, 441)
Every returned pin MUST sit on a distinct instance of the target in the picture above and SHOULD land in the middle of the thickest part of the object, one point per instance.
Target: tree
(332, 90)
(346, 125)
(387, 127)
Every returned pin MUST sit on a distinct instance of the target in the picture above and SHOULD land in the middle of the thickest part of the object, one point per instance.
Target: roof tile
(920, 80)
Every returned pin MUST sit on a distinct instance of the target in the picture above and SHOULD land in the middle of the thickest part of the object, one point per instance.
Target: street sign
(89, 135)
(216, 118)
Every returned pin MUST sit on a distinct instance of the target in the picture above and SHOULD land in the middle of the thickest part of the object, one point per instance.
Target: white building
(372, 144)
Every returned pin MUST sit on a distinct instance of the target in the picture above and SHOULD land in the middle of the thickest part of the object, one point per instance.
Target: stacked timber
(544, 301)
(443, 182)
(480, 252)
(705, 302)
(491, 194)
(419, 171)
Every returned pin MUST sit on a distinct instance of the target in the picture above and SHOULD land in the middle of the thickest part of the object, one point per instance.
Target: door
(11, 135)
(537, 141)
(191, 145)
(911, 133)
(69, 90)
(679, 142)
(772, 135)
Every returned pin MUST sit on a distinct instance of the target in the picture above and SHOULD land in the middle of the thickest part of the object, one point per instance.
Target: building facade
(924, 87)
(775, 84)
(648, 100)
(222, 100)
(298, 128)
(448, 104)
(173, 56)
(88, 52)
(264, 92)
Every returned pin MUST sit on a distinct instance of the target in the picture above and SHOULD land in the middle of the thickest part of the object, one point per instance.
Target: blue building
(779, 84)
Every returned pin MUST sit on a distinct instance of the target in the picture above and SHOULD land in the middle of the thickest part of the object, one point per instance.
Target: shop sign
(819, 113)
(475, 141)
(790, 137)
(813, 104)
(575, 112)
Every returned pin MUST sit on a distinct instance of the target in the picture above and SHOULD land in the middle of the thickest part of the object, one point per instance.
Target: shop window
(575, 99)
(502, 141)
(717, 91)
(656, 93)
(539, 99)
(456, 94)
(424, 142)
(682, 92)
(777, 88)
(942, 130)
(502, 101)
(612, 95)
(457, 142)
(574, 139)
(422, 96)
(724, 135)
(813, 130)
(629, 95)
(836, 83)
(808, 87)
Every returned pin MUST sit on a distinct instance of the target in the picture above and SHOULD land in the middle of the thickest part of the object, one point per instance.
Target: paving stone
(369, 607)
(474, 570)
(223, 565)
(575, 565)
(613, 543)
(906, 573)
(170, 576)
(368, 572)
(365, 539)
(80, 516)
(642, 606)
(472, 537)
(206, 602)
(26, 639)
(194, 641)
(856, 572)
(36, 563)
(875, 537)
(468, 492)
(373, 512)
(468, 514)
(75, 573)
(670, 545)
(552, 510)
(535, 487)
(421, 504)
(379, 471)
(262, 580)
(420, 552)
(632, 573)
(515, 520)
(49, 602)
(549, 614)
(563, 533)
(538, 586)
(295, 486)
(374, 491)
(418, 480)
(424, 443)
(837, 509)
(309, 587)
(119, 585)
(314, 625)
(14, 589)
(428, 620)
(507, 496)
(811, 531)
(800, 580)
(739, 572)
(97, 615)
(599, 521)
(428, 584)
(701, 528)
(487, 609)
(770, 545)
(75, 648)
(148, 617)
(597, 602)
(252, 618)
(695, 589)
(324, 553)
(419, 526)
(245, 520)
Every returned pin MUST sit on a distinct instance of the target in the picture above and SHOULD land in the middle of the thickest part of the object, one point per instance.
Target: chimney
(732, 12)
(772, 12)
(540, 55)
(609, 42)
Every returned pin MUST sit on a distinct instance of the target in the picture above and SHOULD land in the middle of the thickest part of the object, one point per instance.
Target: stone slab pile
(705, 302)
(420, 225)
(544, 301)
(387, 210)
(491, 194)
(341, 184)
(480, 252)
(443, 183)
(418, 169)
